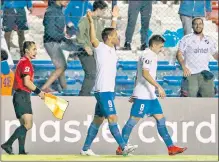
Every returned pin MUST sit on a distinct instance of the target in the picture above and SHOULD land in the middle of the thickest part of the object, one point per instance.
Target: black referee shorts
(22, 103)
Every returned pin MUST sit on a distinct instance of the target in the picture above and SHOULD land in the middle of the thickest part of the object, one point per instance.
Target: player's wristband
(37, 91)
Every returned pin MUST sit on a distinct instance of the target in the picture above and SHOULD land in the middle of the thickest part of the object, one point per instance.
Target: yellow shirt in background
(7, 82)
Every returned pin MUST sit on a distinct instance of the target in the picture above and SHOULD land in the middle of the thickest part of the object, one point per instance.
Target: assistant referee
(23, 86)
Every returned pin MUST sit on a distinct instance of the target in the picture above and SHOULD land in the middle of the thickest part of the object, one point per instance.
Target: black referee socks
(21, 141)
(19, 132)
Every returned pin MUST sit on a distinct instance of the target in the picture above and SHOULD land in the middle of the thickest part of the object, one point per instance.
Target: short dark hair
(50, 2)
(106, 32)
(4, 55)
(99, 4)
(27, 45)
(197, 18)
(156, 39)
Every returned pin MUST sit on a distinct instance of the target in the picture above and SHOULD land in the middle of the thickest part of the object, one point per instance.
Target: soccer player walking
(23, 86)
(144, 98)
(106, 59)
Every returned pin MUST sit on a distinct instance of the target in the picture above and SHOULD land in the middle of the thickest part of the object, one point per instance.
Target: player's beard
(198, 32)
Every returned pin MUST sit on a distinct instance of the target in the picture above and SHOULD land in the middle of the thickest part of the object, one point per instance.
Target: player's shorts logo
(110, 104)
(141, 109)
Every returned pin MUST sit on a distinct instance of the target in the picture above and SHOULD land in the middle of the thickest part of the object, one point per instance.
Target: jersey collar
(26, 58)
(198, 38)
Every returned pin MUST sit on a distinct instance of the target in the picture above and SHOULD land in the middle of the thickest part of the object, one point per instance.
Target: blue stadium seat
(74, 62)
(173, 95)
(214, 70)
(164, 70)
(166, 67)
(124, 84)
(216, 82)
(213, 63)
(129, 67)
(74, 70)
(71, 81)
(213, 67)
(70, 92)
(128, 70)
(163, 63)
(121, 63)
(161, 82)
(168, 92)
(80, 79)
(74, 67)
(167, 78)
(173, 83)
(41, 62)
(40, 80)
(127, 62)
(122, 77)
(43, 70)
(73, 84)
(44, 66)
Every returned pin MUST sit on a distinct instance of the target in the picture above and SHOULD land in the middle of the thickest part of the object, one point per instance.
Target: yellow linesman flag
(56, 104)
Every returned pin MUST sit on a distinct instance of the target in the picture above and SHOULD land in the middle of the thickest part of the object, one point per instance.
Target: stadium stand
(214, 15)
(169, 72)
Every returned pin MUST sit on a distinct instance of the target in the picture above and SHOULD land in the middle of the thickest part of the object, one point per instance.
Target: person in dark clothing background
(55, 42)
(50, 2)
(145, 9)
(14, 18)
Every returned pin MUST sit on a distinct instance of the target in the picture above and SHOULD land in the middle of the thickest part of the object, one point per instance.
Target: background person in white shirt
(106, 59)
(144, 99)
(194, 54)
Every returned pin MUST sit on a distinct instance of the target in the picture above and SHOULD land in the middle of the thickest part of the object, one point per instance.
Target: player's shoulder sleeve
(146, 61)
(25, 68)
(213, 45)
(100, 46)
(184, 42)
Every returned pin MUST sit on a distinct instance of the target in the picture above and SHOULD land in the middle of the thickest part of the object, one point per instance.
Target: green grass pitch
(109, 158)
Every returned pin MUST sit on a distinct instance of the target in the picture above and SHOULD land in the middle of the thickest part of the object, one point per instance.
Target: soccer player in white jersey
(195, 51)
(144, 98)
(106, 60)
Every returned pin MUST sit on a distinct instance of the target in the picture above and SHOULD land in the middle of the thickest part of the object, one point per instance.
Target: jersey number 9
(110, 103)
